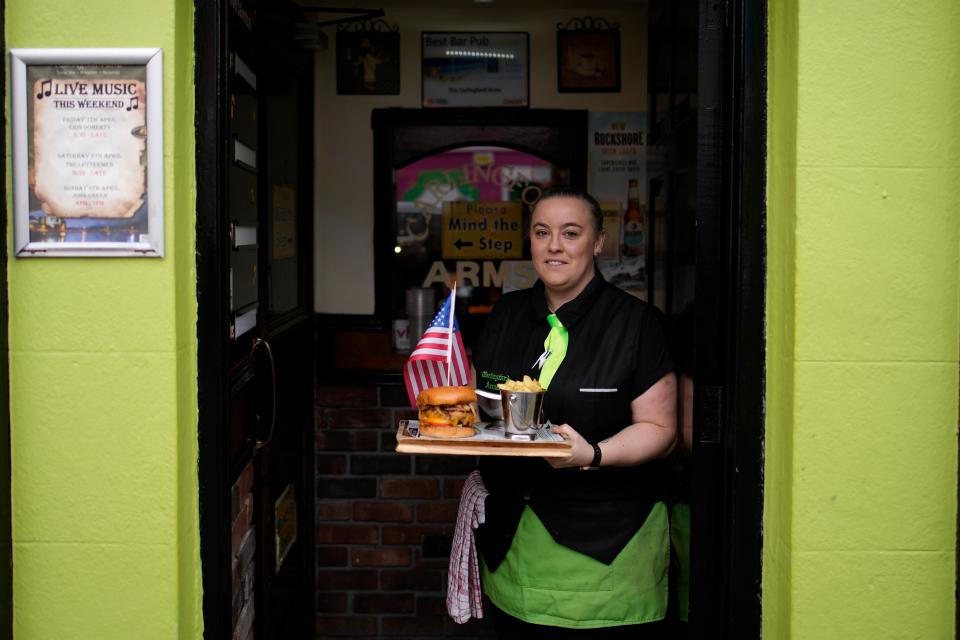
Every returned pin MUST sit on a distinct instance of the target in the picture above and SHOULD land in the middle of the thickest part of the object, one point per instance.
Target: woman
(582, 542)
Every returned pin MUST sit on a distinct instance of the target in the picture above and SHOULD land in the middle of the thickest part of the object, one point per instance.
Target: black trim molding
(210, 35)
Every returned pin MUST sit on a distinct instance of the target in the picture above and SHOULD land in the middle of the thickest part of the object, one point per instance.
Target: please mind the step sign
(491, 230)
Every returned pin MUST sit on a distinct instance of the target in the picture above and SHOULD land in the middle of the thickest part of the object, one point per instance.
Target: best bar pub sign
(88, 152)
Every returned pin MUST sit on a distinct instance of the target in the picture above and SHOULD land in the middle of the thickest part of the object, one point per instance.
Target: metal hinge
(708, 413)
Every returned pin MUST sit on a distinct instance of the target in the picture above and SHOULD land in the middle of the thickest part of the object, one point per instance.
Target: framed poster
(475, 69)
(588, 56)
(87, 134)
(617, 154)
(368, 62)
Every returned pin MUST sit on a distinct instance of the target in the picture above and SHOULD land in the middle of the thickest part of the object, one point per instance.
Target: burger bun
(443, 396)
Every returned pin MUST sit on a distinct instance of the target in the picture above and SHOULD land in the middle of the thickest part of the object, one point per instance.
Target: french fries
(527, 384)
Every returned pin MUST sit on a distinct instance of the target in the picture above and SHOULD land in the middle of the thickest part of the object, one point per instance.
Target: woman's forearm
(638, 443)
(652, 435)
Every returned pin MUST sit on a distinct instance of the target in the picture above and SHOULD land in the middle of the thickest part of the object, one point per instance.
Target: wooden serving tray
(489, 441)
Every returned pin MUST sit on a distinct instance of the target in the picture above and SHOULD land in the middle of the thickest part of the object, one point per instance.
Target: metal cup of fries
(522, 403)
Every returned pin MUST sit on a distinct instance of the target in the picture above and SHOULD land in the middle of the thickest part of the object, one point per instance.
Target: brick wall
(384, 522)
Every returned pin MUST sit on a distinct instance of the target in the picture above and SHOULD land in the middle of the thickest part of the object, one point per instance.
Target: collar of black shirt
(572, 311)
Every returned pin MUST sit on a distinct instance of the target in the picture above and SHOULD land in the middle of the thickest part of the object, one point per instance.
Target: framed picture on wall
(87, 134)
(588, 56)
(368, 62)
(475, 69)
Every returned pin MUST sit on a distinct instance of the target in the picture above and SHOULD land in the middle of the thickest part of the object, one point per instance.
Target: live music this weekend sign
(89, 146)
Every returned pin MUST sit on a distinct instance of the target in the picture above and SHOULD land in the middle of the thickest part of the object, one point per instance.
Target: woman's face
(563, 242)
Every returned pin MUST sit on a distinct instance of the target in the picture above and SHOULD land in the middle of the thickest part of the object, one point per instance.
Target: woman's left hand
(581, 451)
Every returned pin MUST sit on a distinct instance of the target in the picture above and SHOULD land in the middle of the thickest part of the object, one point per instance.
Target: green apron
(543, 582)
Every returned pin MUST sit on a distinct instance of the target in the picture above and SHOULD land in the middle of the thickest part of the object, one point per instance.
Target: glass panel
(463, 214)
(285, 262)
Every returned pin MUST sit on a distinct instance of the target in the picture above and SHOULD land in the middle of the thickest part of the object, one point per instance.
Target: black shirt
(616, 350)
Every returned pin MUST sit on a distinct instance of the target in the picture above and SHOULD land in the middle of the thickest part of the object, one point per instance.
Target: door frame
(730, 344)
(729, 428)
(6, 514)
(389, 123)
(212, 287)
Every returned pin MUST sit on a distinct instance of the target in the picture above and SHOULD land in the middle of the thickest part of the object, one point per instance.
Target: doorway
(384, 521)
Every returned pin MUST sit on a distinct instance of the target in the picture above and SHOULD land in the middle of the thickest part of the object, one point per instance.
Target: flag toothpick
(453, 306)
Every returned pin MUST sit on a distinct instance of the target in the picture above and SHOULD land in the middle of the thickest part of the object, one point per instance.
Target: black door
(727, 487)
(706, 79)
(256, 336)
(285, 463)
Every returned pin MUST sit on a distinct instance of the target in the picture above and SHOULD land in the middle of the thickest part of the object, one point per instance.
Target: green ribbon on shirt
(556, 346)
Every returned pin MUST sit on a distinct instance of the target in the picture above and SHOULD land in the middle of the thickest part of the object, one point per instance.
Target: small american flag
(427, 365)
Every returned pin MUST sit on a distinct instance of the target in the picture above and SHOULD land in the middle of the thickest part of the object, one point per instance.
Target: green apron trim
(543, 582)
(556, 345)
(680, 538)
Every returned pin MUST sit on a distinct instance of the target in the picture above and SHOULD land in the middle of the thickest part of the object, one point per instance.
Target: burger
(447, 412)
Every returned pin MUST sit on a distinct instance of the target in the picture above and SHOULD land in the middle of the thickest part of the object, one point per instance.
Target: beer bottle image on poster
(629, 271)
(634, 222)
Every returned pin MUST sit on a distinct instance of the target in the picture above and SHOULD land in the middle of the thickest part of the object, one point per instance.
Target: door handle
(273, 391)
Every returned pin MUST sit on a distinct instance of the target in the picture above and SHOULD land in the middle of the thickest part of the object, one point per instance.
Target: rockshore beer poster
(618, 180)
(87, 129)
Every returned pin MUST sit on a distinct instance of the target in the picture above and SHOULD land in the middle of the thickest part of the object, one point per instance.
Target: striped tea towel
(463, 580)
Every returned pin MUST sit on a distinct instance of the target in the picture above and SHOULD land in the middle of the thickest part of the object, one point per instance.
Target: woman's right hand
(581, 451)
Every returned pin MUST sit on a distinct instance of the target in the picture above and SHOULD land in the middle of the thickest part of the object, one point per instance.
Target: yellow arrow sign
(482, 230)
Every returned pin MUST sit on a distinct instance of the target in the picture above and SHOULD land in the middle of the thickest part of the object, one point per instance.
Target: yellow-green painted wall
(863, 247)
(103, 383)
(863, 308)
